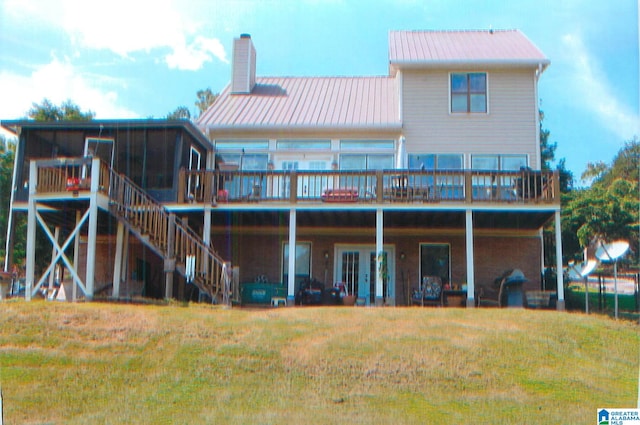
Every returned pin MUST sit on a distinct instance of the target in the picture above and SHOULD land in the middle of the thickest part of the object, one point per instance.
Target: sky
(142, 59)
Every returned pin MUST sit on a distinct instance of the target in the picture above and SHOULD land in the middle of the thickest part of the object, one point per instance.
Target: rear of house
(391, 190)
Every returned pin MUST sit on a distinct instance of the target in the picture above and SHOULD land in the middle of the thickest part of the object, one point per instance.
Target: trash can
(260, 293)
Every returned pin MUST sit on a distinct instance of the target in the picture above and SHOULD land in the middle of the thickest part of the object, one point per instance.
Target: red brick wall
(262, 254)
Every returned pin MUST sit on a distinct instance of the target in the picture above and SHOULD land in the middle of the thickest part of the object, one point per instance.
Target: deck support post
(291, 270)
(379, 257)
(560, 279)
(117, 263)
(31, 231)
(92, 231)
(170, 260)
(471, 302)
(76, 256)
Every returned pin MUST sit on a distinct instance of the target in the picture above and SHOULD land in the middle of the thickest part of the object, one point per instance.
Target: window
(240, 144)
(498, 162)
(435, 260)
(357, 144)
(487, 184)
(365, 162)
(435, 161)
(469, 92)
(303, 144)
(248, 161)
(303, 261)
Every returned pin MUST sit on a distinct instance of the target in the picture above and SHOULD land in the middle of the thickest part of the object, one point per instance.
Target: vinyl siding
(509, 126)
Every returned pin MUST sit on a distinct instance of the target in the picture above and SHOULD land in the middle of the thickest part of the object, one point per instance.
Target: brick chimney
(243, 72)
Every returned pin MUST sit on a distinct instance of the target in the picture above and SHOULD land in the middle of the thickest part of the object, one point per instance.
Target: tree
(67, 111)
(205, 99)
(548, 155)
(608, 210)
(181, 112)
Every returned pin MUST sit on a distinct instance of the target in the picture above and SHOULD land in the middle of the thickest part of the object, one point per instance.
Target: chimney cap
(245, 35)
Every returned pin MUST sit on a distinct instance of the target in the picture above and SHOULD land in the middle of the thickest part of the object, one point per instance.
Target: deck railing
(70, 175)
(383, 186)
(386, 186)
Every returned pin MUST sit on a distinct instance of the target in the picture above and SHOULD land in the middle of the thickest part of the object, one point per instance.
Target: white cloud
(191, 57)
(128, 26)
(591, 85)
(59, 81)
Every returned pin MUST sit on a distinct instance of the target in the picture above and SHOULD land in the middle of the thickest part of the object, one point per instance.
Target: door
(195, 162)
(97, 147)
(308, 186)
(356, 268)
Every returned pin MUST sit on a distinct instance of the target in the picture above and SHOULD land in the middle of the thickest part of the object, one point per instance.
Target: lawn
(93, 363)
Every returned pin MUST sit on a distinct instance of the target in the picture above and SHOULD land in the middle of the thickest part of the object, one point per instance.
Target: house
(377, 184)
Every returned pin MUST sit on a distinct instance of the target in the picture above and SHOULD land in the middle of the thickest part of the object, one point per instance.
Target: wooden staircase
(181, 248)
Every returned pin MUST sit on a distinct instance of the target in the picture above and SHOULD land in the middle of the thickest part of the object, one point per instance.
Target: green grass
(136, 364)
(627, 308)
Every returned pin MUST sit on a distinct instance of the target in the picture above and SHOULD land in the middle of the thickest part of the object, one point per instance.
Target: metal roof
(447, 48)
(313, 103)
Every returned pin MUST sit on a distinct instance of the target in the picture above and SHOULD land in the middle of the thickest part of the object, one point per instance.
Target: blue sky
(134, 58)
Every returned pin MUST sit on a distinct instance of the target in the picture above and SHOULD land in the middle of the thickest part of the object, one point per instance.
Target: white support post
(92, 232)
(31, 231)
(206, 228)
(470, 259)
(117, 262)
(76, 256)
(560, 278)
(291, 270)
(379, 254)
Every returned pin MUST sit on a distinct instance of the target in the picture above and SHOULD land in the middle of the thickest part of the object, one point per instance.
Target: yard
(196, 364)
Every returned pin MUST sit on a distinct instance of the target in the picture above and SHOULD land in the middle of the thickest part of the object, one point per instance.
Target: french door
(356, 268)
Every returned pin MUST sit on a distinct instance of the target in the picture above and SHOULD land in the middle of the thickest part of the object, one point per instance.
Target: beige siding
(509, 127)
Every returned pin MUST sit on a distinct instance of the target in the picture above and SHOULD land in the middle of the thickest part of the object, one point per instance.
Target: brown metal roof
(446, 48)
(308, 103)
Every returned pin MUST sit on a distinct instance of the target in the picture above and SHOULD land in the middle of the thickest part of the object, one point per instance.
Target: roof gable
(447, 48)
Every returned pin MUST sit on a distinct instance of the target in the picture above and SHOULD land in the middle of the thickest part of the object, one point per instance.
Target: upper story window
(469, 92)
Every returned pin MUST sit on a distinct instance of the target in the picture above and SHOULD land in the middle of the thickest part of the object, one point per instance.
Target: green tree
(181, 112)
(609, 209)
(67, 111)
(548, 156)
(205, 99)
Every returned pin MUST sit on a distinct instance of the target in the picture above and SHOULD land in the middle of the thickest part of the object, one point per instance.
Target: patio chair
(429, 293)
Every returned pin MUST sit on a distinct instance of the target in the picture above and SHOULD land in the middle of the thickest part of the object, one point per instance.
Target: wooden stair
(167, 236)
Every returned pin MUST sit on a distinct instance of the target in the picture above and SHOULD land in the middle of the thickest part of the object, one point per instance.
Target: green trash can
(260, 293)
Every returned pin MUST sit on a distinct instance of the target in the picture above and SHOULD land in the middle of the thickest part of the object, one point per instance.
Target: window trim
(486, 94)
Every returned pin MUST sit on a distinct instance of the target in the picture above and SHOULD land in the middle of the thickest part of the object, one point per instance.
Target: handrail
(168, 234)
(383, 186)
